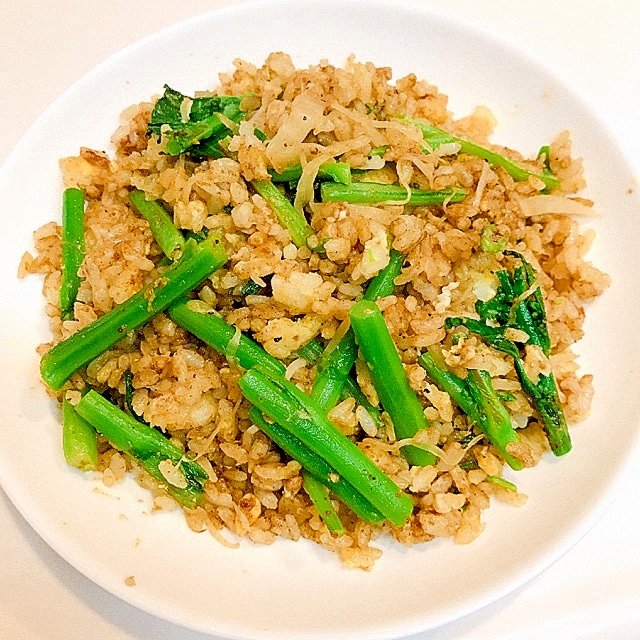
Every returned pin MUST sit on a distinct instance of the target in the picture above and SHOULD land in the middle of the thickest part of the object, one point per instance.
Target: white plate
(294, 590)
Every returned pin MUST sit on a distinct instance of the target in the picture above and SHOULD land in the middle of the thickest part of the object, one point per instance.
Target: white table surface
(593, 591)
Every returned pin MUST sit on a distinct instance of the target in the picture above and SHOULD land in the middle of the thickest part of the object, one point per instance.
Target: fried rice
(189, 392)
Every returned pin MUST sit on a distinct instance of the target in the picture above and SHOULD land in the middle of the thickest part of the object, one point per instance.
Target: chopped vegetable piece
(251, 288)
(501, 482)
(284, 403)
(72, 249)
(128, 395)
(518, 304)
(66, 357)
(167, 235)
(79, 440)
(332, 371)
(317, 466)
(321, 499)
(312, 351)
(383, 284)
(543, 157)
(389, 378)
(495, 421)
(147, 445)
(476, 396)
(194, 125)
(436, 137)
(203, 322)
(336, 171)
(373, 192)
(335, 364)
(488, 242)
(288, 216)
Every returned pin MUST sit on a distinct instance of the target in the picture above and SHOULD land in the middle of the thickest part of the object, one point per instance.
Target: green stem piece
(477, 397)
(203, 322)
(493, 417)
(288, 216)
(79, 440)
(72, 249)
(165, 232)
(318, 467)
(334, 365)
(336, 171)
(397, 397)
(147, 445)
(436, 137)
(65, 358)
(285, 404)
(321, 499)
(375, 193)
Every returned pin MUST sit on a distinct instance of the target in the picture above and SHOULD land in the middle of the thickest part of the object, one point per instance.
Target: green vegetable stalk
(336, 171)
(167, 235)
(335, 364)
(61, 361)
(495, 421)
(79, 440)
(286, 405)
(288, 216)
(436, 137)
(476, 396)
(311, 352)
(238, 348)
(202, 321)
(374, 192)
(389, 378)
(317, 466)
(72, 249)
(321, 499)
(148, 446)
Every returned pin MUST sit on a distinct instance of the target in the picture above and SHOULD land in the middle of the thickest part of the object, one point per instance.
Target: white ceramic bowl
(295, 590)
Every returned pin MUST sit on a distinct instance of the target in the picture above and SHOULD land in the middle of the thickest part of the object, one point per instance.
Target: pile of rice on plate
(190, 392)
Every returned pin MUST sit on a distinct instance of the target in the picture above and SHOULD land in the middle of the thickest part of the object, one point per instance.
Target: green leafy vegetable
(194, 125)
(476, 396)
(518, 304)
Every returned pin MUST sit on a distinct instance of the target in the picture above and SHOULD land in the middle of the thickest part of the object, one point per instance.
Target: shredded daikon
(284, 149)
(548, 204)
